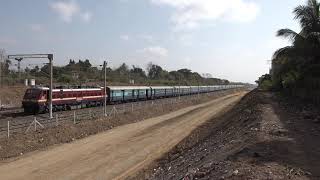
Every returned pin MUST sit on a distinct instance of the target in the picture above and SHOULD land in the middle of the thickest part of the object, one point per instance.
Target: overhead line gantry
(20, 57)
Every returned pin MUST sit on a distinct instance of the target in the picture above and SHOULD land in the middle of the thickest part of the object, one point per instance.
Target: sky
(230, 39)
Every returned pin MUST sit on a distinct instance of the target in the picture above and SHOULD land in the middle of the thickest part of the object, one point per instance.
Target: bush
(266, 85)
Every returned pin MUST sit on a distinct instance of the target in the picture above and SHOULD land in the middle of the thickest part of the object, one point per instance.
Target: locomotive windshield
(32, 94)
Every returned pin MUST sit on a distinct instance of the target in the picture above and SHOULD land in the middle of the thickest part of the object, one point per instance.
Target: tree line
(296, 68)
(82, 72)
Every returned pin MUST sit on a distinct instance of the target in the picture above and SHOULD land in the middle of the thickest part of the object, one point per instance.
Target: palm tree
(292, 63)
(307, 42)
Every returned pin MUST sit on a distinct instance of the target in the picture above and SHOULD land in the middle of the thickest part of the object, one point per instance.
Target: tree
(123, 69)
(264, 82)
(136, 71)
(207, 75)
(4, 63)
(5, 67)
(27, 70)
(71, 62)
(292, 64)
(185, 72)
(36, 69)
(87, 64)
(307, 42)
(84, 66)
(155, 71)
(175, 76)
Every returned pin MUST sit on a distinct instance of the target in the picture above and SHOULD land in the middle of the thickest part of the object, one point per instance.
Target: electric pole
(105, 88)
(50, 57)
(1, 64)
(0, 79)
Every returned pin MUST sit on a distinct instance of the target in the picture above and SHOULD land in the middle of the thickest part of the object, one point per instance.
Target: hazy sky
(230, 39)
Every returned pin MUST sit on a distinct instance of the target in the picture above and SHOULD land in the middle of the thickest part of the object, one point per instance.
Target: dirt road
(264, 136)
(118, 152)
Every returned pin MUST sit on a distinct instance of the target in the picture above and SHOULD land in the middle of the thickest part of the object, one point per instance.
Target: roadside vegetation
(296, 68)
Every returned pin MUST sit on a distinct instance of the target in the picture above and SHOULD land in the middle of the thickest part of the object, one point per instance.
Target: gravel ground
(262, 137)
(11, 96)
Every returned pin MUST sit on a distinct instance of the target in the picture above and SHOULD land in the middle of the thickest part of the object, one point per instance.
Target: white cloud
(37, 28)
(187, 60)
(186, 39)
(67, 10)
(189, 14)
(125, 37)
(144, 37)
(86, 16)
(147, 37)
(243, 11)
(7, 41)
(155, 51)
(276, 43)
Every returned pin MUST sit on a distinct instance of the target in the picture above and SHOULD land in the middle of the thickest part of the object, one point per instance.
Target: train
(36, 99)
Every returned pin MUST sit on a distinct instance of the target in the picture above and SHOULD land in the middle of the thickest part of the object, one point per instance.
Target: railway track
(21, 123)
(11, 112)
(17, 114)
(5, 110)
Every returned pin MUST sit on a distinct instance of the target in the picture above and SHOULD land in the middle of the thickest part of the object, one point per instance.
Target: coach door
(147, 94)
(47, 95)
(61, 94)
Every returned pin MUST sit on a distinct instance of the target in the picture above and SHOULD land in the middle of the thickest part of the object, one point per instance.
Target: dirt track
(264, 136)
(118, 152)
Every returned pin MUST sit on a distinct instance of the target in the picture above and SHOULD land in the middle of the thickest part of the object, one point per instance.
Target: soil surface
(119, 152)
(11, 96)
(262, 137)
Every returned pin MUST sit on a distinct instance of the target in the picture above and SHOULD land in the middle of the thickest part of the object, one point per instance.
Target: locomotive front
(34, 100)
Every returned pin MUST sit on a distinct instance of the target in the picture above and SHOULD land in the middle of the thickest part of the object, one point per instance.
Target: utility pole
(0, 79)
(198, 87)
(179, 86)
(1, 64)
(105, 88)
(50, 57)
